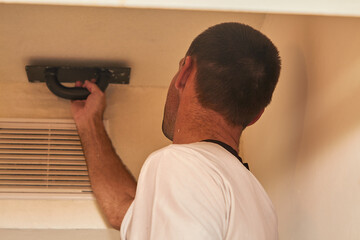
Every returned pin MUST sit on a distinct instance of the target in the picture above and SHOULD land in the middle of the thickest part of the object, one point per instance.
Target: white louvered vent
(41, 156)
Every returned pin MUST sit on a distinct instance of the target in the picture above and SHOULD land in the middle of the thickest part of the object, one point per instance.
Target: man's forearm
(112, 183)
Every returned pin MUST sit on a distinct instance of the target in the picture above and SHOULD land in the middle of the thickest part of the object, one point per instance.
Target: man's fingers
(78, 84)
(92, 87)
(77, 101)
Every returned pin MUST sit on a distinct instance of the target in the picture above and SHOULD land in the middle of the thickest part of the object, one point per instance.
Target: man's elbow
(115, 223)
(115, 217)
(115, 220)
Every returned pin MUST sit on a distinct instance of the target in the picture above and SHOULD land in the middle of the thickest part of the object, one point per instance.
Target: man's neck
(199, 128)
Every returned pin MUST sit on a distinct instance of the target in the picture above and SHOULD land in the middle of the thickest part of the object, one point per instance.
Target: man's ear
(184, 72)
(256, 118)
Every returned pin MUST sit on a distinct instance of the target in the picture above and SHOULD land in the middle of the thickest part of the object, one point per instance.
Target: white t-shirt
(198, 191)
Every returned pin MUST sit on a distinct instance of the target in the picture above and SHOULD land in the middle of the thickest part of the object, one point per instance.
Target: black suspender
(229, 149)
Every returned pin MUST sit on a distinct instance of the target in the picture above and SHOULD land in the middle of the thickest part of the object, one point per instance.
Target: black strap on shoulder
(229, 149)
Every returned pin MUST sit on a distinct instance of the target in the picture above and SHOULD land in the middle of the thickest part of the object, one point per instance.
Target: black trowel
(55, 75)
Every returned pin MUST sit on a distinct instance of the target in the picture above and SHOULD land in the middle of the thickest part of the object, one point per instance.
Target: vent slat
(40, 142)
(42, 172)
(40, 152)
(42, 189)
(42, 162)
(20, 147)
(44, 183)
(41, 156)
(5, 131)
(41, 167)
(43, 177)
(25, 136)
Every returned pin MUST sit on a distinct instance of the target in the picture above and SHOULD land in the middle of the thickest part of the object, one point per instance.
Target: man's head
(237, 69)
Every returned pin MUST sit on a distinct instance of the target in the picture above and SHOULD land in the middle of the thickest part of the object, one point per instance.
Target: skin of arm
(113, 185)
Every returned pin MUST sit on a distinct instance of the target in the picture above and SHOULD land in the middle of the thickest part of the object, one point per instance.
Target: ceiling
(325, 7)
(149, 41)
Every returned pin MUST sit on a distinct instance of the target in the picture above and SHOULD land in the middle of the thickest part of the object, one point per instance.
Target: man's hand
(91, 109)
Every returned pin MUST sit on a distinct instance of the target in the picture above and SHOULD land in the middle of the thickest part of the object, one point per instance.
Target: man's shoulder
(172, 154)
(193, 159)
(201, 159)
(190, 149)
(186, 167)
(197, 153)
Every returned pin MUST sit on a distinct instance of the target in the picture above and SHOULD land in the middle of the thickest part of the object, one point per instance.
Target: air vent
(41, 156)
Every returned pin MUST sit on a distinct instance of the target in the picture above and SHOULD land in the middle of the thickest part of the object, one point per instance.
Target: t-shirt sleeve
(178, 197)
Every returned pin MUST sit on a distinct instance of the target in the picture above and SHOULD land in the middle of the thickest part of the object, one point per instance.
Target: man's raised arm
(113, 185)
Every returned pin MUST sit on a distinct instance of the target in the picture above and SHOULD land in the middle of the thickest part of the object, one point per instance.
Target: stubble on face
(171, 107)
(170, 112)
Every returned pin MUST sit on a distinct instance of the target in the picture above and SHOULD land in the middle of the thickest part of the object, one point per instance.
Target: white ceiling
(318, 7)
(149, 41)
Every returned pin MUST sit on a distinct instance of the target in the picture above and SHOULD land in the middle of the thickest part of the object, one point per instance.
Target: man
(197, 187)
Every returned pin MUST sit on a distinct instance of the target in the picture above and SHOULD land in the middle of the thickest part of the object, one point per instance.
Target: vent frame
(49, 156)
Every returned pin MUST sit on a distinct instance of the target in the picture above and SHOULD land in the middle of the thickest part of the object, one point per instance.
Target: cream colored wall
(305, 149)
(327, 174)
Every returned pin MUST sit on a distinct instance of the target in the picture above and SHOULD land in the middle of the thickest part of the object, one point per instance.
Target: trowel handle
(73, 93)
